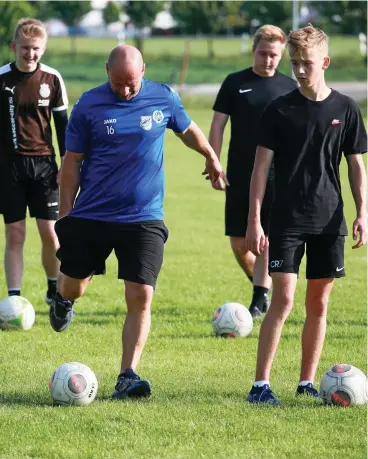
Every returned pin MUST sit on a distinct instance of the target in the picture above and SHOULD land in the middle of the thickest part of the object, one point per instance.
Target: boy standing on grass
(305, 133)
(242, 98)
(29, 93)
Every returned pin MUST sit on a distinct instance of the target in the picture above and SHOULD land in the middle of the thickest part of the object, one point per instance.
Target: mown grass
(198, 407)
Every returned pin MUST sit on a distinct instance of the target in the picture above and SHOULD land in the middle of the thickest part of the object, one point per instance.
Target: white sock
(261, 383)
(305, 383)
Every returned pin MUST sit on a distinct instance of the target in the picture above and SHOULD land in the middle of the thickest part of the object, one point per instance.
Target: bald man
(114, 158)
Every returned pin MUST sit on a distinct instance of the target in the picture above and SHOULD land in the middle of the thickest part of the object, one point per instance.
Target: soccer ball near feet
(344, 385)
(232, 320)
(16, 313)
(73, 384)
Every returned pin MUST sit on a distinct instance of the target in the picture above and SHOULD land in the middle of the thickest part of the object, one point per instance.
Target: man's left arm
(194, 138)
(61, 122)
(358, 185)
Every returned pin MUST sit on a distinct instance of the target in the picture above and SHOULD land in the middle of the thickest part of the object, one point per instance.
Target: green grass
(198, 407)
(163, 59)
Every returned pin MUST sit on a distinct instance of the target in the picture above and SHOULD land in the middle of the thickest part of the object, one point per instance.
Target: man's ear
(12, 45)
(326, 62)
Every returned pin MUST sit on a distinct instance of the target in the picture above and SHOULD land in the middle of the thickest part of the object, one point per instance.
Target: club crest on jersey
(158, 116)
(146, 122)
(45, 90)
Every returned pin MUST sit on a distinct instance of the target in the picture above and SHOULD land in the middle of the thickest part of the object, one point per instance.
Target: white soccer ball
(73, 384)
(231, 320)
(344, 385)
(16, 313)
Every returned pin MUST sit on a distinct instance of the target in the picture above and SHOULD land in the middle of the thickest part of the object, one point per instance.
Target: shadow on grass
(25, 400)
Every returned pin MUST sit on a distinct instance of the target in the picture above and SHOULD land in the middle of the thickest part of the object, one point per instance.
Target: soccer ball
(344, 385)
(16, 313)
(231, 320)
(73, 384)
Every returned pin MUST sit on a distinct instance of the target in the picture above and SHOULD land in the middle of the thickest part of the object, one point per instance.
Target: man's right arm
(69, 181)
(255, 239)
(218, 124)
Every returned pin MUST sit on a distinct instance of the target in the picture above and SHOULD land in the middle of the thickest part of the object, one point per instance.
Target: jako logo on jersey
(110, 121)
(335, 122)
(45, 90)
(158, 116)
(10, 89)
(146, 122)
(43, 102)
(276, 263)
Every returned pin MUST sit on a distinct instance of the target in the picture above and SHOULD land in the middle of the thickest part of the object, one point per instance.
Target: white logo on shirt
(244, 90)
(110, 121)
(335, 122)
(43, 102)
(158, 116)
(45, 90)
(339, 269)
(10, 89)
(276, 263)
(146, 122)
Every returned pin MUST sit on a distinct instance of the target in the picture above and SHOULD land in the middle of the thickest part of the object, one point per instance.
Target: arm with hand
(69, 181)
(255, 238)
(194, 139)
(61, 122)
(218, 124)
(358, 185)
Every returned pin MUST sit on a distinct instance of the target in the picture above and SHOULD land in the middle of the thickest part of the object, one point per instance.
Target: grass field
(163, 59)
(198, 407)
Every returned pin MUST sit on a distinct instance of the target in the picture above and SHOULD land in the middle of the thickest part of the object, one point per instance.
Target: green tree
(347, 17)
(71, 13)
(111, 13)
(11, 12)
(261, 13)
(142, 14)
(207, 18)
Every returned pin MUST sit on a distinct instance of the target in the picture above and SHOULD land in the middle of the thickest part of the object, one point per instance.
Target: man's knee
(138, 295)
(15, 234)
(71, 289)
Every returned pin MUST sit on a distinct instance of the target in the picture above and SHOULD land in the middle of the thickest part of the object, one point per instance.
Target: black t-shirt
(243, 96)
(308, 139)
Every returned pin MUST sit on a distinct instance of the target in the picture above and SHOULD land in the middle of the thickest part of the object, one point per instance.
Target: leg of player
(284, 285)
(61, 307)
(245, 259)
(50, 263)
(135, 333)
(15, 234)
(316, 302)
(262, 284)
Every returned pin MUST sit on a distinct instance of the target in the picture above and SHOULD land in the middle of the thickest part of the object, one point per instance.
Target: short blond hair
(29, 28)
(269, 33)
(307, 37)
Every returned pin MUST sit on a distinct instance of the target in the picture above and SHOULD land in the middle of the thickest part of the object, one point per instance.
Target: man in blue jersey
(114, 158)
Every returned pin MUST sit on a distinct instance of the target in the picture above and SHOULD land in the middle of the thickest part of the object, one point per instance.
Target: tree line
(208, 18)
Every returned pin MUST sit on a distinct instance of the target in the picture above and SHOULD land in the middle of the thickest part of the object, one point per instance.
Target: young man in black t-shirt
(305, 133)
(242, 98)
(30, 95)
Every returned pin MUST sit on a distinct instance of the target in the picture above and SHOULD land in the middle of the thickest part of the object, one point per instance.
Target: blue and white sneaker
(263, 395)
(308, 390)
(61, 313)
(130, 385)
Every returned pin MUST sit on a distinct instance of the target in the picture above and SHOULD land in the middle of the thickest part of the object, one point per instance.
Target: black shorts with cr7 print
(324, 252)
(86, 244)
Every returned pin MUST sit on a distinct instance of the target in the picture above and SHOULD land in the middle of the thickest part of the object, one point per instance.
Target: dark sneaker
(255, 312)
(307, 390)
(61, 313)
(129, 384)
(48, 298)
(263, 395)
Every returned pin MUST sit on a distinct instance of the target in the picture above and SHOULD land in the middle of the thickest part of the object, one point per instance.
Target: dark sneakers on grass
(130, 385)
(61, 313)
(255, 312)
(308, 390)
(263, 396)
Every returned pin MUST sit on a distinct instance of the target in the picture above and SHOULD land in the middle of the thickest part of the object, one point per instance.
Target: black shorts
(325, 254)
(237, 208)
(29, 181)
(86, 244)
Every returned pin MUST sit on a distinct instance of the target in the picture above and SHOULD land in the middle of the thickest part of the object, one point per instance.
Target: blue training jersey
(122, 173)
